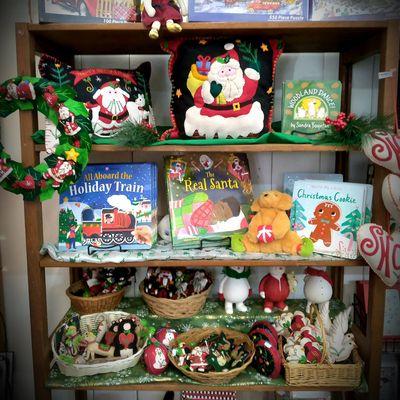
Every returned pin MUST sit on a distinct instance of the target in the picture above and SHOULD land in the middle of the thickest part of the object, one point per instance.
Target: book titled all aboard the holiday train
(111, 206)
(330, 214)
(306, 105)
(209, 198)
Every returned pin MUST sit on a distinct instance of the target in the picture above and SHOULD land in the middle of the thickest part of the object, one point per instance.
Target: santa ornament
(67, 119)
(275, 287)
(156, 358)
(223, 104)
(60, 171)
(166, 336)
(317, 287)
(234, 288)
(158, 13)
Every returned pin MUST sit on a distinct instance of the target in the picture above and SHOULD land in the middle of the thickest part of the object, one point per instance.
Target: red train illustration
(116, 227)
(263, 5)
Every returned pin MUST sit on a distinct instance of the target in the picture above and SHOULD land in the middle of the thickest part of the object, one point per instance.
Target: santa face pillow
(112, 97)
(221, 87)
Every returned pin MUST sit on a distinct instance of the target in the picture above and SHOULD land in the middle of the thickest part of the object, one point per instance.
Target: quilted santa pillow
(222, 87)
(111, 96)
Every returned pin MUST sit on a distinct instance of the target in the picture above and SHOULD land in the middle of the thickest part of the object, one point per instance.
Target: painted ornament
(235, 288)
(383, 148)
(381, 251)
(156, 358)
(166, 336)
(391, 195)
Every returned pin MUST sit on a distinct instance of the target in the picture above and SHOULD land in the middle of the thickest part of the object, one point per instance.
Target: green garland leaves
(61, 169)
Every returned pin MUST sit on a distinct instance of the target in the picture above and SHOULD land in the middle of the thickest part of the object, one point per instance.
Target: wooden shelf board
(48, 262)
(245, 148)
(133, 37)
(177, 387)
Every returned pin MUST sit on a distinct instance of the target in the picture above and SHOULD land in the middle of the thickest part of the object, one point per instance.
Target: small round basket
(98, 366)
(213, 378)
(175, 309)
(95, 304)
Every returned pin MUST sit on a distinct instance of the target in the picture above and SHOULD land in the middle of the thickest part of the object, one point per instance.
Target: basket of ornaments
(175, 293)
(98, 343)
(211, 355)
(316, 351)
(101, 289)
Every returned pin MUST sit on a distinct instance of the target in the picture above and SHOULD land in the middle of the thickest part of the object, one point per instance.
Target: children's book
(330, 214)
(306, 105)
(111, 206)
(289, 178)
(209, 198)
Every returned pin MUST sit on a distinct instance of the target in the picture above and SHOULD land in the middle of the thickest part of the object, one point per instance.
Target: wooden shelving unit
(353, 40)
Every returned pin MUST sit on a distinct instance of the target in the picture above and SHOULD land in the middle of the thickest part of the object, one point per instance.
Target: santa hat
(231, 54)
(318, 272)
(113, 84)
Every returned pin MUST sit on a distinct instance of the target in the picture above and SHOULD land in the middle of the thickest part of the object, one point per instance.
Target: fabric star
(264, 47)
(269, 91)
(178, 93)
(72, 154)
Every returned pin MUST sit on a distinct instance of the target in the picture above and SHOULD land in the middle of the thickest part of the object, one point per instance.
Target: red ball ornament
(156, 358)
(166, 336)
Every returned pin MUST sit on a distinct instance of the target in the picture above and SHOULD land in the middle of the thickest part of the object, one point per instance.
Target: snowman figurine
(235, 288)
(317, 287)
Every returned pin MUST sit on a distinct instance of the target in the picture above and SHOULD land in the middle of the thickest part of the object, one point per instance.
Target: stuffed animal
(275, 288)
(163, 12)
(269, 230)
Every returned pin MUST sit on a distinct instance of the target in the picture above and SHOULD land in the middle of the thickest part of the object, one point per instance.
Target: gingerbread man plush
(269, 230)
(326, 215)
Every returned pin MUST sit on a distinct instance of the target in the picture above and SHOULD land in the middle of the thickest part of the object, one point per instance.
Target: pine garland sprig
(136, 135)
(349, 130)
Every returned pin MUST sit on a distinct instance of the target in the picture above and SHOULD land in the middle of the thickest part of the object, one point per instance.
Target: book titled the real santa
(330, 214)
(111, 206)
(209, 198)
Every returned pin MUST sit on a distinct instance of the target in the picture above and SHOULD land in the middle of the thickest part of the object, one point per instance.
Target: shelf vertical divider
(33, 227)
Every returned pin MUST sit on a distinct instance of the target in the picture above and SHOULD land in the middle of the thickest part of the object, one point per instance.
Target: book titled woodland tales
(306, 105)
(330, 214)
(209, 198)
(111, 206)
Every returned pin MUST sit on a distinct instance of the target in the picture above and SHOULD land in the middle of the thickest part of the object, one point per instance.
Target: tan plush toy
(269, 230)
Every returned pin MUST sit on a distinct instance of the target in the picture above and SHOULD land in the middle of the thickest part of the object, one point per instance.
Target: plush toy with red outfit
(275, 287)
(157, 13)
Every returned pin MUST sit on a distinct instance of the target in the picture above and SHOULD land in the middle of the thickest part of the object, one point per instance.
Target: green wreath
(70, 157)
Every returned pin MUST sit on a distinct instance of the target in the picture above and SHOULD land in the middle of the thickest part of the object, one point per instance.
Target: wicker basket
(175, 309)
(324, 373)
(95, 304)
(91, 322)
(213, 378)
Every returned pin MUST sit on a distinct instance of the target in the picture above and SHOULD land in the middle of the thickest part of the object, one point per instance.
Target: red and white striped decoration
(207, 395)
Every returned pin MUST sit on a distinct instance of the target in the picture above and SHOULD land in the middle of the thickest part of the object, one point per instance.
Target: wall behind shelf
(267, 172)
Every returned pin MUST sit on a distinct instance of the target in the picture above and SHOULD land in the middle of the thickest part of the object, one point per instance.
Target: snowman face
(238, 269)
(277, 271)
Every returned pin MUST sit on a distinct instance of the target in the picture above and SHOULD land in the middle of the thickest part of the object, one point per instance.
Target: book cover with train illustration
(112, 206)
(306, 105)
(330, 214)
(209, 198)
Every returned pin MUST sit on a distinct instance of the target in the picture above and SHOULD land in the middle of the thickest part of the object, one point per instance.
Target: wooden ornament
(391, 195)
(381, 251)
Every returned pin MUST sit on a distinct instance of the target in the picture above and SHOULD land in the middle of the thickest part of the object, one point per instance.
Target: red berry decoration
(156, 358)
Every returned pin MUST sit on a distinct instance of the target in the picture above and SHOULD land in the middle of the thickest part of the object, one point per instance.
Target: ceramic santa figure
(224, 104)
(168, 13)
(235, 288)
(274, 288)
(317, 287)
(67, 119)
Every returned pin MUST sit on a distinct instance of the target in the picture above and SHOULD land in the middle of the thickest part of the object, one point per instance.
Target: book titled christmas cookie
(306, 105)
(209, 198)
(110, 206)
(330, 214)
